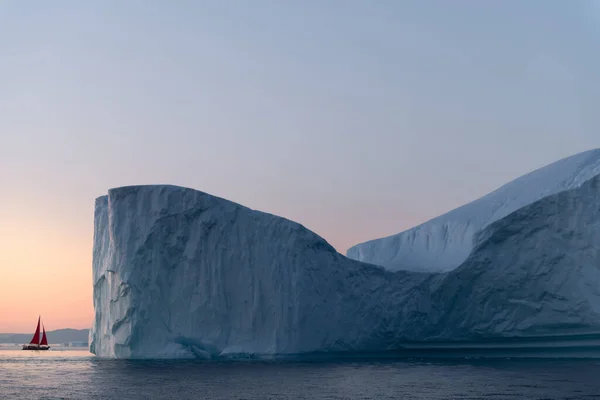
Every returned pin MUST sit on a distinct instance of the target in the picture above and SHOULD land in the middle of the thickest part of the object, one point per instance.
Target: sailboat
(38, 343)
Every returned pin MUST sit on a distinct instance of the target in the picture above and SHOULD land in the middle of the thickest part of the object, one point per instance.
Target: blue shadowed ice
(181, 273)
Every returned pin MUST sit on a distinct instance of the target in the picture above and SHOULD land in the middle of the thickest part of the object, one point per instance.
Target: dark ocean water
(76, 374)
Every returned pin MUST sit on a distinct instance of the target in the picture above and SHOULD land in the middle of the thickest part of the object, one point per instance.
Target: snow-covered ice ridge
(445, 242)
(181, 273)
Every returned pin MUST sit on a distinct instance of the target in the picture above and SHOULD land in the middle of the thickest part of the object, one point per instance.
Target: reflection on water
(53, 353)
(40, 374)
(76, 374)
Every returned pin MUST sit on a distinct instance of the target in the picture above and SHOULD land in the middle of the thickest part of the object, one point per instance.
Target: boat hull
(35, 347)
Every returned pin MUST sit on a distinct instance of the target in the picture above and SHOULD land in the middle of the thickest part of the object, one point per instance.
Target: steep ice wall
(443, 243)
(180, 273)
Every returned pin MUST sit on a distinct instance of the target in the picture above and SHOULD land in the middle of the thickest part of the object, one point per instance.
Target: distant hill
(58, 336)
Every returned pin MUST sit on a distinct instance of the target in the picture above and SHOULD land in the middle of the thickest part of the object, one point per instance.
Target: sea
(69, 373)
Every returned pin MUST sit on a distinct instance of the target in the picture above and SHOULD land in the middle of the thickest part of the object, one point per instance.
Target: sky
(358, 119)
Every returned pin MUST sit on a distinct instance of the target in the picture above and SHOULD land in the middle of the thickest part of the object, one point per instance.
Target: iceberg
(181, 273)
(445, 242)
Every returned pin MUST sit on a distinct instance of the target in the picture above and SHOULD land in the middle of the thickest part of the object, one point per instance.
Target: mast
(44, 339)
(36, 335)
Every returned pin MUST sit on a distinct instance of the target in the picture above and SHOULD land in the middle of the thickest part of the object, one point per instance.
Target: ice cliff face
(180, 273)
(445, 242)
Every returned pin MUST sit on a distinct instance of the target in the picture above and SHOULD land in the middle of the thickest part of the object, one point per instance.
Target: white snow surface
(445, 242)
(180, 273)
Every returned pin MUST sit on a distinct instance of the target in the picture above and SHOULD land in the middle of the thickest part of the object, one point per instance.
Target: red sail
(36, 335)
(44, 339)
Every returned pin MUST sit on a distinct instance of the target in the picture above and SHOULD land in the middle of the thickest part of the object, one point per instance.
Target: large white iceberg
(445, 242)
(181, 273)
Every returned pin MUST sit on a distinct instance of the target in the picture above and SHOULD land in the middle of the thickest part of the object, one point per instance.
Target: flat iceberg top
(443, 243)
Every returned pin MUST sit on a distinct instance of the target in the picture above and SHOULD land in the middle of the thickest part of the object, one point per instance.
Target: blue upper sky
(355, 118)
